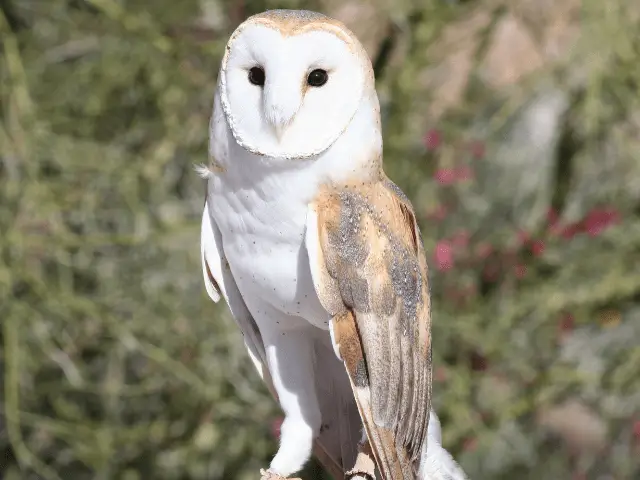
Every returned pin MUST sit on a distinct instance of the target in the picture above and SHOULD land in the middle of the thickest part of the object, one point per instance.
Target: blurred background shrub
(514, 125)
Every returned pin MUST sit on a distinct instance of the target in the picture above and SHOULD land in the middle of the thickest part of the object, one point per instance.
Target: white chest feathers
(263, 230)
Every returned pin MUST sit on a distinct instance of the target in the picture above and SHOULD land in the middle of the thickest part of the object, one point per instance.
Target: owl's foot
(269, 475)
(353, 475)
(360, 474)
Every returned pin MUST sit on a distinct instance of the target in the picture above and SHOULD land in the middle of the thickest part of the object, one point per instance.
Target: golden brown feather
(372, 278)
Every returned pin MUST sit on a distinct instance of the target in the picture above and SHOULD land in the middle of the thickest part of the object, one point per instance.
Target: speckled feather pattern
(374, 281)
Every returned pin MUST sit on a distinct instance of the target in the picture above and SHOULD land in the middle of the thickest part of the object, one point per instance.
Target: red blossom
(594, 223)
(537, 248)
(446, 176)
(444, 255)
(520, 270)
(432, 139)
(597, 220)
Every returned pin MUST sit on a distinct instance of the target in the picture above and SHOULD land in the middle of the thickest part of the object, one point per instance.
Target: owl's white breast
(261, 215)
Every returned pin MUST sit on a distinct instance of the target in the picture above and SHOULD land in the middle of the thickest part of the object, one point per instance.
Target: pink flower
(446, 176)
(597, 220)
(520, 270)
(444, 255)
(432, 139)
(537, 248)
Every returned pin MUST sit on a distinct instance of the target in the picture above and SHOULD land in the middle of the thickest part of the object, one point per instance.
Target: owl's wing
(370, 273)
(219, 282)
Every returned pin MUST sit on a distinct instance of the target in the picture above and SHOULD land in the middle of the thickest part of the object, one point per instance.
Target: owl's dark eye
(256, 76)
(317, 78)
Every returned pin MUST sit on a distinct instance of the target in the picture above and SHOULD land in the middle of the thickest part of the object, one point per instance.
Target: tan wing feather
(370, 273)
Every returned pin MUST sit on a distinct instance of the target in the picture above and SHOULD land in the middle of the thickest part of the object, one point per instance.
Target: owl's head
(291, 81)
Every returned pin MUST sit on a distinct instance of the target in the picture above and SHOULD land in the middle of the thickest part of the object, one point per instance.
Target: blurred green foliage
(116, 364)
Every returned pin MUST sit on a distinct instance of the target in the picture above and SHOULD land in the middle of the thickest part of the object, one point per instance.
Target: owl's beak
(279, 129)
(281, 106)
(281, 120)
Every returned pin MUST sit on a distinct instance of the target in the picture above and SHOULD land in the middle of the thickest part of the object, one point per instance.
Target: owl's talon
(358, 475)
(365, 468)
(269, 475)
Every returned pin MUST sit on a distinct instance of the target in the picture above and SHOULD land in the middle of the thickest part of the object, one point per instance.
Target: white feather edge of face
(315, 117)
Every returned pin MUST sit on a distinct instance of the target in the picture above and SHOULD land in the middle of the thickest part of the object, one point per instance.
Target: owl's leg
(365, 467)
(290, 361)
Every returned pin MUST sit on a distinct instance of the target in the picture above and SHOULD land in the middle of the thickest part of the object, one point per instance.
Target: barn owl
(318, 254)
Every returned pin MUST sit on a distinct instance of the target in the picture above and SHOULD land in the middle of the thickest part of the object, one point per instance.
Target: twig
(11, 327)
(72, 50)
(11, 330)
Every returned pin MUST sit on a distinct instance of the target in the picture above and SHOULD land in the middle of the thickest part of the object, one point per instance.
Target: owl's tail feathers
(435, 462)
